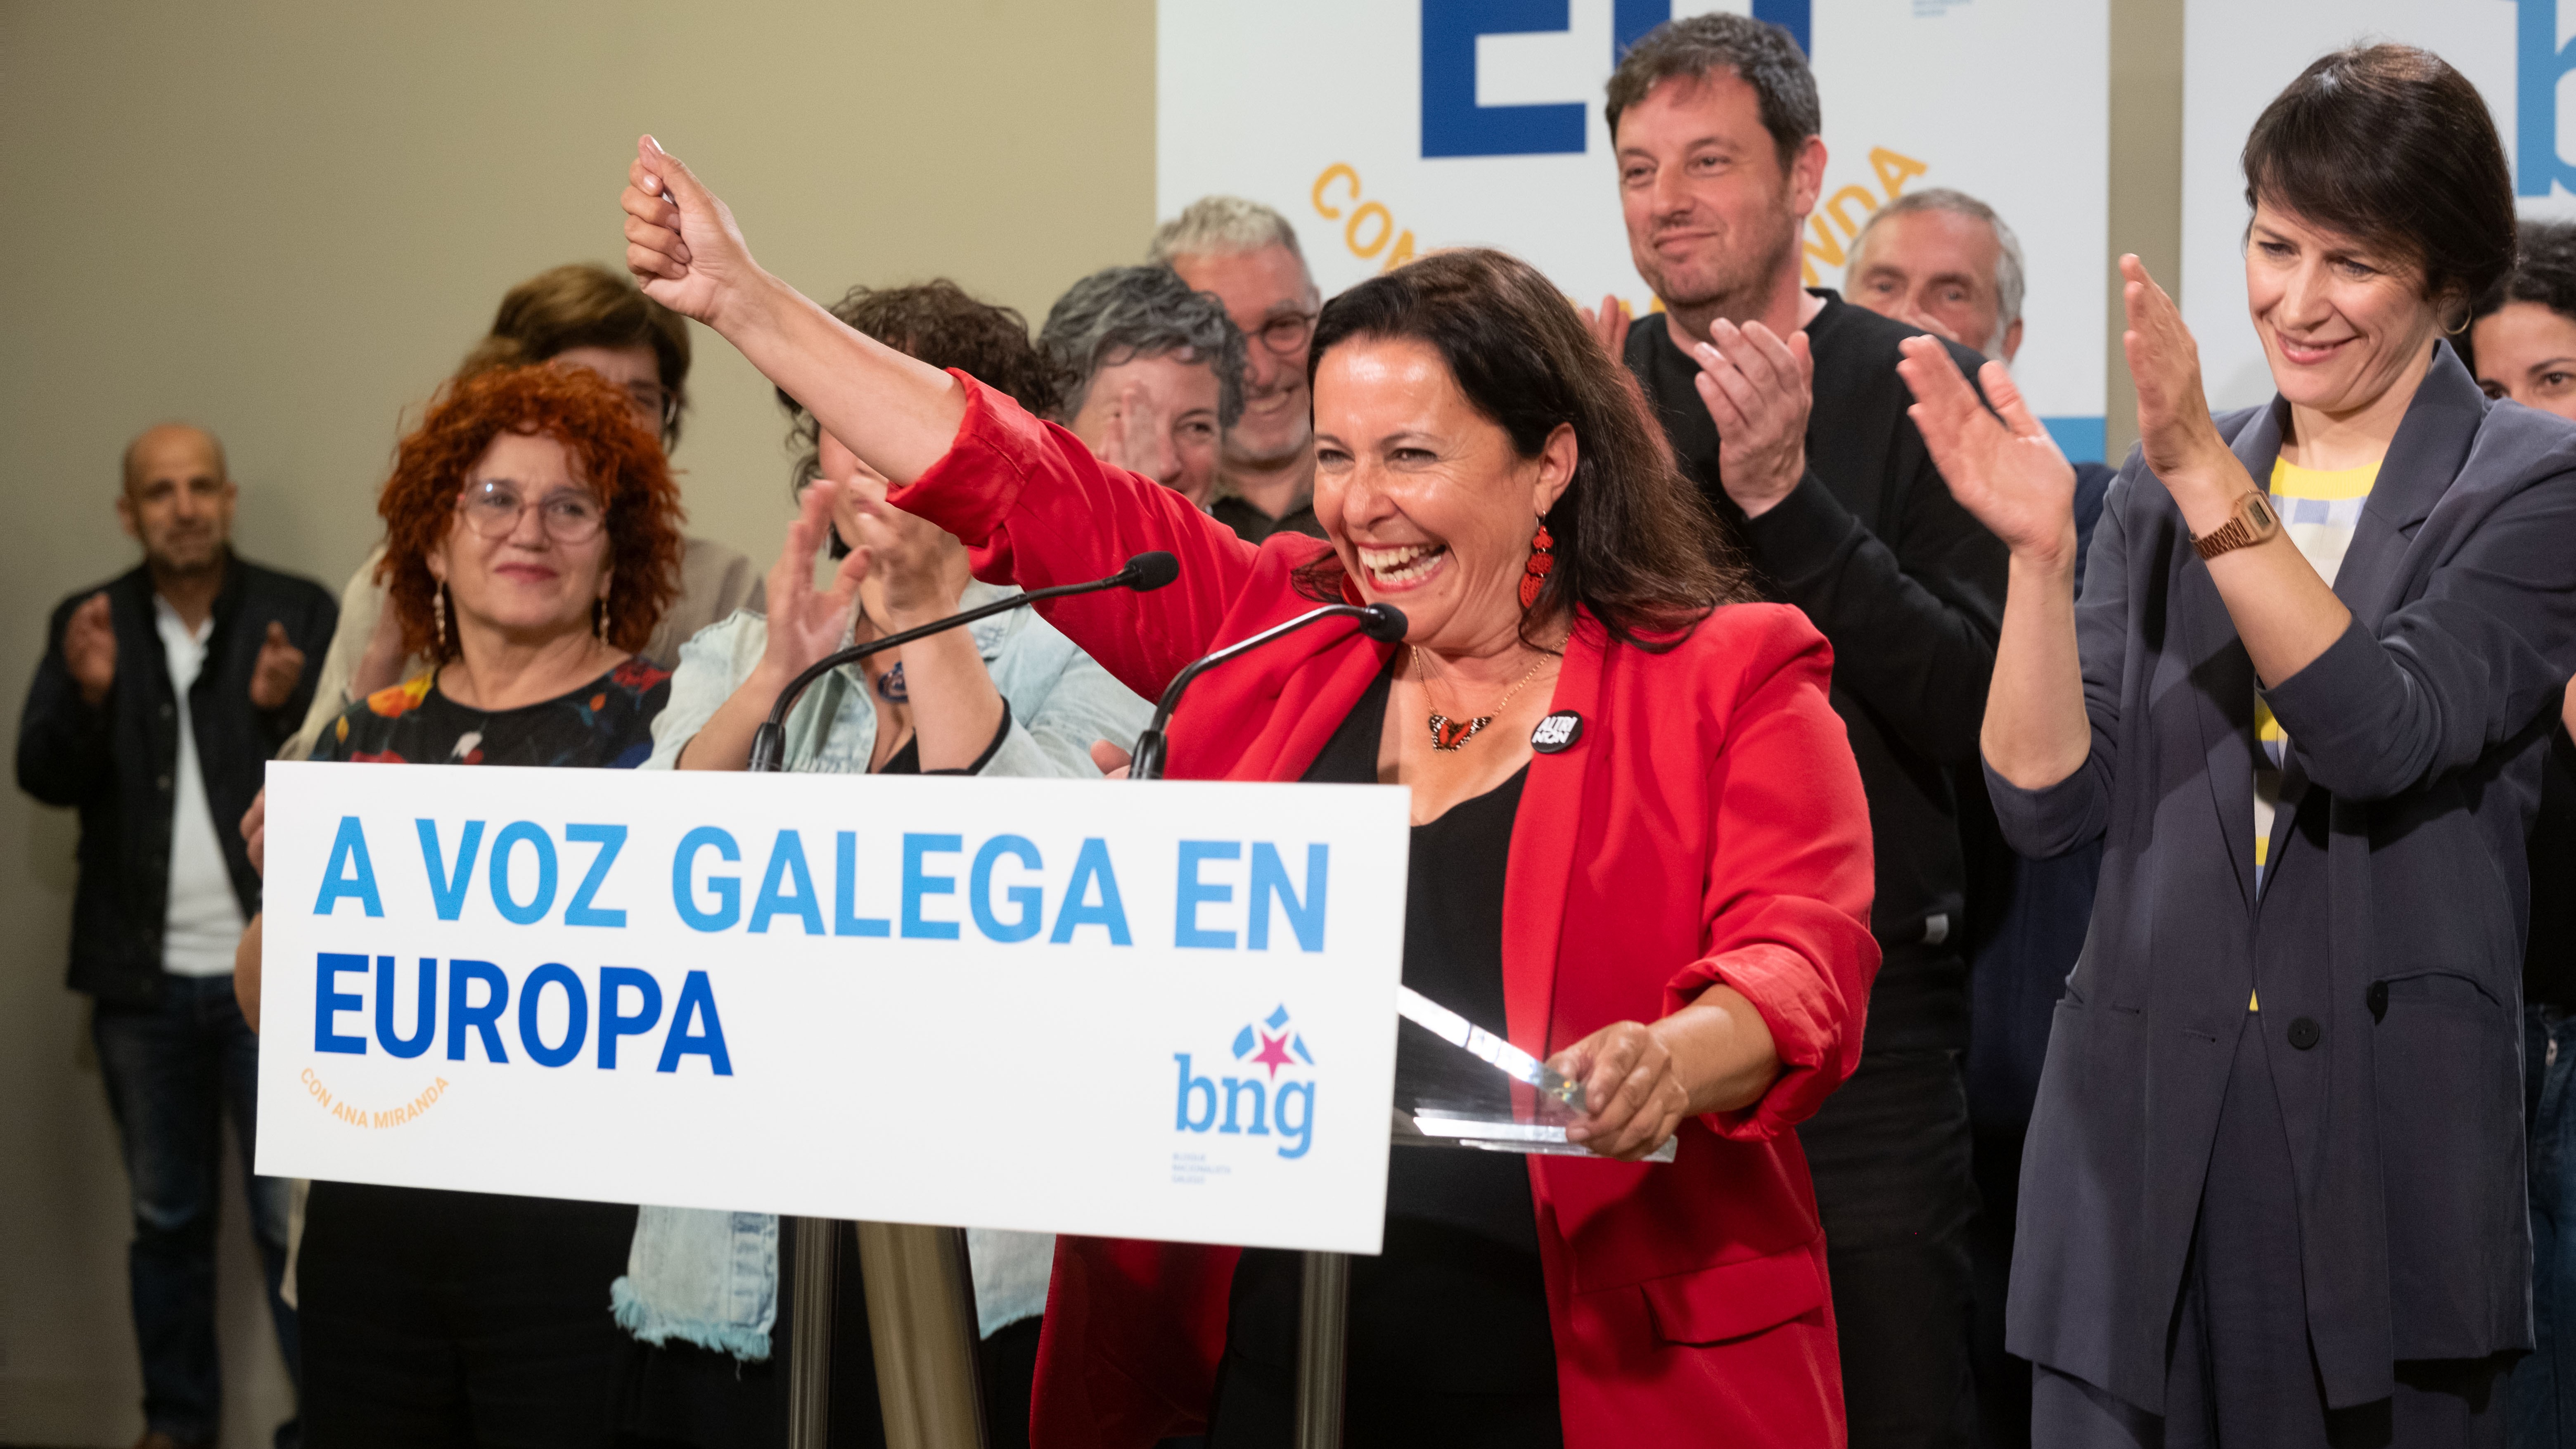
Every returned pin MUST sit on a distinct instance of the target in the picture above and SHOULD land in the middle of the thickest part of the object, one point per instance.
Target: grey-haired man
(1246, 255)
(1942, 260)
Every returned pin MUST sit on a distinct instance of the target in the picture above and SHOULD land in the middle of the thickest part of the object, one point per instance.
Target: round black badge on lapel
(1557, 732)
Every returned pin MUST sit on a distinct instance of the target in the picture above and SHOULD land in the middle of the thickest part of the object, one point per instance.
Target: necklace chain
(1448, 734)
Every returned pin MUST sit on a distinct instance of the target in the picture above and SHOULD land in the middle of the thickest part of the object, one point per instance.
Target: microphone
(1383, 622)
(1144, 573)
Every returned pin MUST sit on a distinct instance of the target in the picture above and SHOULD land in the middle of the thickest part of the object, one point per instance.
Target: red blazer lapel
(1543, 841)
(1291, 715)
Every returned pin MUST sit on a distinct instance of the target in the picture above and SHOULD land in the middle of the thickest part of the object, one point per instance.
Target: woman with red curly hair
(532, 543)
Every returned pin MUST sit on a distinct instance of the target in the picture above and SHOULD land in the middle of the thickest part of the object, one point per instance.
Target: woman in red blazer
(1673, 904)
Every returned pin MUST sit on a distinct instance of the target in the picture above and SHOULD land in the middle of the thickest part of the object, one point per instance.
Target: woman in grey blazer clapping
(2273, 1192)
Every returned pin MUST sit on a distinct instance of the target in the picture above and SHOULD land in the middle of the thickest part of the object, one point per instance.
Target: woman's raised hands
(919, 571)
(2174, 427)
(805, 623)
(2008, 474)
(681, 242)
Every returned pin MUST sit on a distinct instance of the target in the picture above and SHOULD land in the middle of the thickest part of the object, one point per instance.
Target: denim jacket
(709, 1277)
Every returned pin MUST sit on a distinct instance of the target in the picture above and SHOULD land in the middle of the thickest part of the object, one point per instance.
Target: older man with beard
(1246, 255)
(1784, 405)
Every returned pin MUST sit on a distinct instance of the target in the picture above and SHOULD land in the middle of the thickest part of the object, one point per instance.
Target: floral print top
(605, 724)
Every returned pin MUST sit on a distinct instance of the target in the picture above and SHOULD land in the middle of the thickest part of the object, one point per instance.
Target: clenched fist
(280, 664)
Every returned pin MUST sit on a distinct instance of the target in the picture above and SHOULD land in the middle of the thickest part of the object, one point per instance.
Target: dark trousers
(2003, 1381)
(1890, 1157)
(2240, 1374)
(173, 1071)
(453, 1319)
(1007, 1361)
(2544, 1384)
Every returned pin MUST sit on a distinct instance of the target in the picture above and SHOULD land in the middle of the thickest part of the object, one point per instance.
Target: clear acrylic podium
(921, 1300)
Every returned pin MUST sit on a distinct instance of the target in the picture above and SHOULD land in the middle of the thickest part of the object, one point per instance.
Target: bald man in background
(1945, 262)
(159, 700)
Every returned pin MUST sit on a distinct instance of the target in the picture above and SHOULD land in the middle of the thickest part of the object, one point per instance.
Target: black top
(1456, 1302)
(1252, 525)
(117, 761)
(1909, 590)
(2549, 961)
(605, 724)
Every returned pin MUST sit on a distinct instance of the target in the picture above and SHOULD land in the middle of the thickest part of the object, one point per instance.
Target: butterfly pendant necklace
(1449, 734)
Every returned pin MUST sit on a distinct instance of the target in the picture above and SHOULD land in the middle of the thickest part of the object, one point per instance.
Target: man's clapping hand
(280, 664)
(89, 648)
(1759, 390)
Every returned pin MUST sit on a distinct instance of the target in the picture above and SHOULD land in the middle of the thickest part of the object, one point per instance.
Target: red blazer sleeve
(1788, 885)
(1038, 509)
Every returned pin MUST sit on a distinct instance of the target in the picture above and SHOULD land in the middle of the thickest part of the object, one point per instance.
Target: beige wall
(286, 220)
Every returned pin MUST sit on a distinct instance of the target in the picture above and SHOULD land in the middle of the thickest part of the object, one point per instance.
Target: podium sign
(1159, 1011)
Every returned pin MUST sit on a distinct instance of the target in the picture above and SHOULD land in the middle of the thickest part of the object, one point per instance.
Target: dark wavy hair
(587, 305)
(1635, 542)
(940, 323)
(2544, 271)
(622, 464)
(2388, 145)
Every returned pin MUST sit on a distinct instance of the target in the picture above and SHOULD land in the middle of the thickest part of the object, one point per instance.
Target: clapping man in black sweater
(1784, 405)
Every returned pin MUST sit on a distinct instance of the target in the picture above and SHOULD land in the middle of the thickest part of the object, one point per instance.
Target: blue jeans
(173, 1071)
(2544, 1384)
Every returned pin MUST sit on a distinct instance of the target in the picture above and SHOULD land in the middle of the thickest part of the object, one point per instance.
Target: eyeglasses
(494, 509)
(652, 402)
(1287, 333)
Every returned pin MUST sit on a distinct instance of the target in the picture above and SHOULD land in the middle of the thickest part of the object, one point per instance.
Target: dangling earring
(599, 618)
(438, 615)
(1542, 558)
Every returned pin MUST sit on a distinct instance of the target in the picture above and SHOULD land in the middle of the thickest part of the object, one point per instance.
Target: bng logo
(1260, 1102)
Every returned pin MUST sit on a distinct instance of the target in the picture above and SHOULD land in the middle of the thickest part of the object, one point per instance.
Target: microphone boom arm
(1382, 622)
(769, 743)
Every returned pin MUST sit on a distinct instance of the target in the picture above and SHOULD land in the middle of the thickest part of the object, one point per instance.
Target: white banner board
(2237, 57)
(1161, 1011)
(1383, 128)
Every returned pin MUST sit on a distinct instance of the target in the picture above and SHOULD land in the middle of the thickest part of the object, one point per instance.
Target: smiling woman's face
(524, 582)
(1423, 496)
(2340, 323)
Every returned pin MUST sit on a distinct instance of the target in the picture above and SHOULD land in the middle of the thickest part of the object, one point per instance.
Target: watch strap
(2240, 530)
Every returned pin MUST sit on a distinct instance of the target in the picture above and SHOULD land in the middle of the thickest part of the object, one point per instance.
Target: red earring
(1542, 558)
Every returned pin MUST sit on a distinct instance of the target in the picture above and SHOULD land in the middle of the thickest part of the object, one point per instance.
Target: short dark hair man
(159, 699)
(1785, 406)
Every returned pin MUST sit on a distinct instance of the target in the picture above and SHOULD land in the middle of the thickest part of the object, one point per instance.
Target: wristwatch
(2254, 522)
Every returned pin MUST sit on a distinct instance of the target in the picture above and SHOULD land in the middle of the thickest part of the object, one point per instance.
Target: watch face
(2261, 512)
